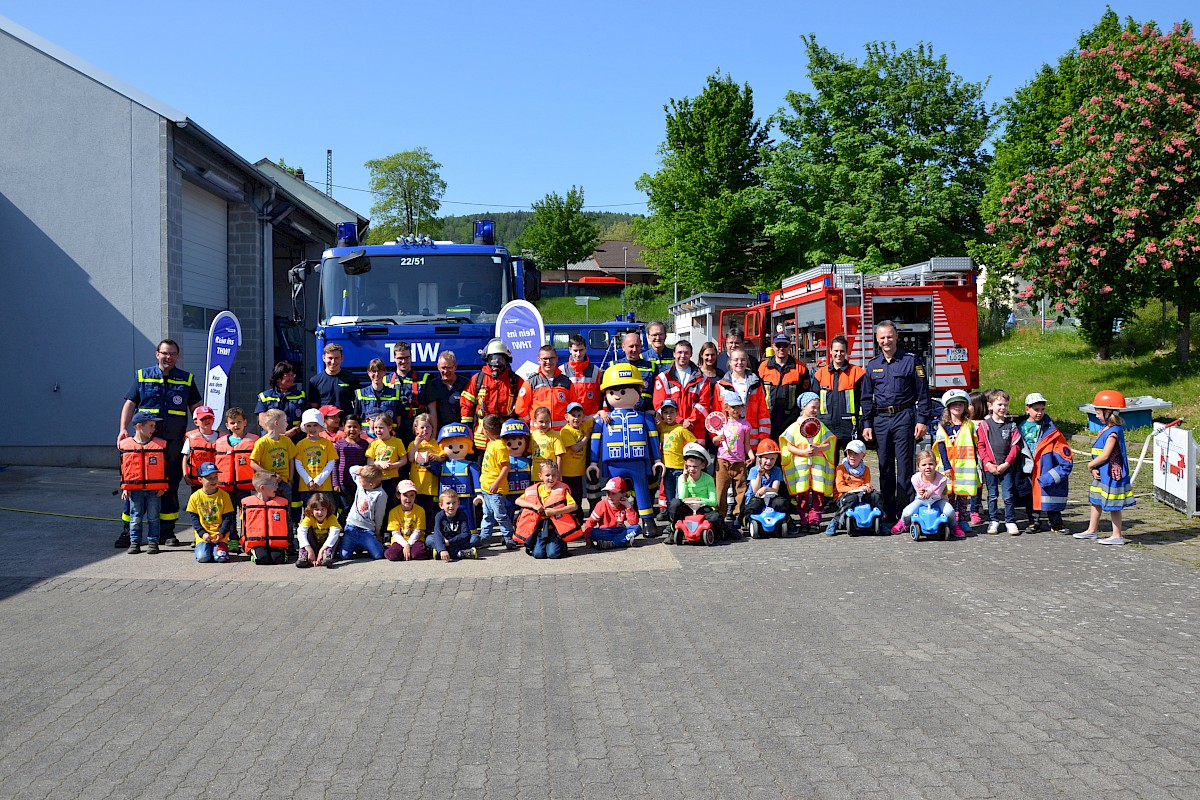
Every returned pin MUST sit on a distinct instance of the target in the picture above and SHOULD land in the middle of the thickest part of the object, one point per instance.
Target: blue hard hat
(455, 430)
(514, 427)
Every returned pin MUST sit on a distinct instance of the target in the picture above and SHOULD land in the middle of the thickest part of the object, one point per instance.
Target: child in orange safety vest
(143, 481)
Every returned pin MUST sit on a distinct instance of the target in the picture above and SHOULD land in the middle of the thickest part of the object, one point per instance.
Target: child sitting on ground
(614, 520)
(931, 491)
(548, 521)
(852, 484)
(450, 537)
(365, 516)
(318, 525)
(406, 523)
(212, 516)
(265, 526)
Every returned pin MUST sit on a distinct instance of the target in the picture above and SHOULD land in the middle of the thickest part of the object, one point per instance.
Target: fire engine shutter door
(205, 272)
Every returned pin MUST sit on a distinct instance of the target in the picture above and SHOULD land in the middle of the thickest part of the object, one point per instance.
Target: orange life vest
(200, 451)
(234, 470)
(529, 520)
(143, 466)
(265, 523)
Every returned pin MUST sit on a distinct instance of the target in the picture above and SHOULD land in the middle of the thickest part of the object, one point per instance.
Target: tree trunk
(1183, 337)
(1103, 351)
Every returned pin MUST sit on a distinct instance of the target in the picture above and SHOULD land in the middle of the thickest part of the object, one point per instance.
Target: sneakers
(470, 552)
(604, 544)
(171, 541)
(831, 529)
(1087, 535)
(1032, 528)
(509, 544)
(963, 531)
(152, 548)
(302, 561)
(958, 533)
(1011, 529)
(1111, 540)
(976, 519)
(993, 528)
(221, 554)
(899, 527)
(327, 559)
(134, 549)
(1061, 529)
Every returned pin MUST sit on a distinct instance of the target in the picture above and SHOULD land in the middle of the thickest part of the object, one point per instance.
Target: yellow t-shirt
(422, 476)
(314, 455)
(574, 464)
(386, 450)
(546, 447)
(673, 438)
(275, 455)
(318, 532)
(405, 523)
(210, 508)
(495, 458)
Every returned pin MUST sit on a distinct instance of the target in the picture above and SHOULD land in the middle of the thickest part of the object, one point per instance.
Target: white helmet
(956, 396)
(496, 347)
(693, 450)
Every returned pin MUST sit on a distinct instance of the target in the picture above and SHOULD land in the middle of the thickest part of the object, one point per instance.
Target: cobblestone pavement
(1034, 666)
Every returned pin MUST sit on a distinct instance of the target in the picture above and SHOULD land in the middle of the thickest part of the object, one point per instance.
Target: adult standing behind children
(784, 378)
(735, 341)
(546, 388)
(284, 394)
(895, 405)
(445, 392)
(333, 386)
(169, 393)
(413, 391)
(839, 385)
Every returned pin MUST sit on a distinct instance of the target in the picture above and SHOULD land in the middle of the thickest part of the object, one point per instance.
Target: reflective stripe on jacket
(811, 471)
(961, 452)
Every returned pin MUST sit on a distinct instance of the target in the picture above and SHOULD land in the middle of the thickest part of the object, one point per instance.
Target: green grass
(563, 309)
(1061, 366)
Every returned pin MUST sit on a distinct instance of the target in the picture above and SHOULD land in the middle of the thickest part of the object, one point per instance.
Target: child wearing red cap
(200, 444)
(614, 520)
(332, 417)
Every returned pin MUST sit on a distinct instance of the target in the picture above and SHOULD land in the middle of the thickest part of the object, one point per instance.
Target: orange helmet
(1109, 398)
(767, 447)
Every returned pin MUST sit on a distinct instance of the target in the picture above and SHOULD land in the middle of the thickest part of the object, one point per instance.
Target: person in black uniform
(333, 386)
(170, 394)
(895, 403)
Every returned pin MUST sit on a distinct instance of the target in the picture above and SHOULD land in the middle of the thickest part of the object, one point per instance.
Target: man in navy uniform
(895, 403)
(657, 353)
(171, 394)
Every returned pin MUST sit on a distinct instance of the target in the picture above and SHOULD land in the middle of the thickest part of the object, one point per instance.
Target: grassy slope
(563, 309)
(1061, 366)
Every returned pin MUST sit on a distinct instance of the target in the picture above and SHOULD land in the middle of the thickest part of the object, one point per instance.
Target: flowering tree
(1118, 219)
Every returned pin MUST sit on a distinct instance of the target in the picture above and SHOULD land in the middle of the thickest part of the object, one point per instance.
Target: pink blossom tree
(1117, 220)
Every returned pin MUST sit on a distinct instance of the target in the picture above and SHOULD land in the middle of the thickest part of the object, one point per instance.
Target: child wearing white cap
(315, 457)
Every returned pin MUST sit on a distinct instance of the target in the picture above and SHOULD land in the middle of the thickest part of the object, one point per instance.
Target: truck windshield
(430, 287)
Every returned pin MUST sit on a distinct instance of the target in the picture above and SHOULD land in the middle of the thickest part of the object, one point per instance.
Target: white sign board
(1175, 469)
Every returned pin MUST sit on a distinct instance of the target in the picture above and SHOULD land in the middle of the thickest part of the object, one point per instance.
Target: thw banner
(519, 325)
(224, 338)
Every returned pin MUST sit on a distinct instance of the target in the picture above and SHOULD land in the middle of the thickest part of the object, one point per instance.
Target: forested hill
(510, 225)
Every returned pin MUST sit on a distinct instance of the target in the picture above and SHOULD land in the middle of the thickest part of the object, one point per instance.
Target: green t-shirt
(703, 488)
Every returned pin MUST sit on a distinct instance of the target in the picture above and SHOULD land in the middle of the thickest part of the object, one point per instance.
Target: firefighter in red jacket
(492, 390)
(547, 387)
(584, 376)
(684, 383)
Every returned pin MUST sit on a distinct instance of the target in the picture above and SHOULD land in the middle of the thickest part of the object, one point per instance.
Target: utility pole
(329, 173)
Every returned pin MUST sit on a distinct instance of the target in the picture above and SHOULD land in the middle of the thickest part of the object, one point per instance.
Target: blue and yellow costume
(458, 474)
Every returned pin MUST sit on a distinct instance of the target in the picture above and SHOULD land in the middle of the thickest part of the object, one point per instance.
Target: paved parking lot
(1037, 666)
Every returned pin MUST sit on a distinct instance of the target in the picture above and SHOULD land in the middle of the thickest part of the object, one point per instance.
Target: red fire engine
(933, 304)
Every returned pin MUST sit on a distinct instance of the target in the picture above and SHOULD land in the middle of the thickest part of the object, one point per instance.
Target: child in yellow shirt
(424, 450)
(545, 440)
(212, 516)
(406, 522)
(315, 457)
(574, 438)
(388, 453)
(673, 437)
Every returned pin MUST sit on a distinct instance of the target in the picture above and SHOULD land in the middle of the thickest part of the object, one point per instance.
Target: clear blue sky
(519, 99)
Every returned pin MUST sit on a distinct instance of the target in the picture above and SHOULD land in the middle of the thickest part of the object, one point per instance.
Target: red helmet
(767, 447)
(1109, 398)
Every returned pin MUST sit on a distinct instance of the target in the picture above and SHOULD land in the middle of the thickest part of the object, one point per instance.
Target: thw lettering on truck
(422, 351)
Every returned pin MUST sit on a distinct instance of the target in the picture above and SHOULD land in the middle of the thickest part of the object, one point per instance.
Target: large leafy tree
(702, 229)
(560, 233)
(408, 192)
(882, 165)
(1117, 220)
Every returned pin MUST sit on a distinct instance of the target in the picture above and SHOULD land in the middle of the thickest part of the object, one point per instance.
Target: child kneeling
(547, 521)
(212, 516)
(614, 520)
(365, 515)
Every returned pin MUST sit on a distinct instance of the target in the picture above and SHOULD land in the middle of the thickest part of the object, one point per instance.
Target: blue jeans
(464, 541)
(354, 536)
(620, 537)
(548, 545)
(671, 483)
(495, 515)
(144, 506)
(207, 552)
(1002, 485)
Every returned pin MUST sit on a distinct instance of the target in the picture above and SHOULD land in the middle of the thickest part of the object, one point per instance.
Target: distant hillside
(511, 224)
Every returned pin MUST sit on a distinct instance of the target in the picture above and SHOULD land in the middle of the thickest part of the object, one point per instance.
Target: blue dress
(1107, 492)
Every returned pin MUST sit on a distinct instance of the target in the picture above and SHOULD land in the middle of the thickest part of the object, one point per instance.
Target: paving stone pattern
(1037, 666)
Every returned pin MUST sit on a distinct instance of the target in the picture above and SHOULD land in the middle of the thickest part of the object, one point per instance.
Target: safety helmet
(621, 374)
(1109, 398)
(693, 450)
(496, 347)
(454, 430)
(767, 447)
(956, 396)
(513, 427)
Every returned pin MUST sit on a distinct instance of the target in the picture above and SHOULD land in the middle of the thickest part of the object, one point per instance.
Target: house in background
(607, 271)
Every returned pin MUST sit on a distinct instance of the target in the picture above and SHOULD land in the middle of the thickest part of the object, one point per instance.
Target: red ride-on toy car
(694, 530)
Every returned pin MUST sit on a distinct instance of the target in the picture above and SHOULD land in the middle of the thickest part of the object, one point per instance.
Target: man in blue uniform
(895, 403)
(657, 353)
(170, 394)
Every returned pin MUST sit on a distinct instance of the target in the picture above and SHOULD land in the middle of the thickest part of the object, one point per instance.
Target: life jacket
(200, 451)
(813, 472)
(487, 395)
(553, 393)
(264, 523)
(963, 475)
(529, 521)
(585, 380)
(143, 466)
(842, 382)
(166, 397)
(234, 471)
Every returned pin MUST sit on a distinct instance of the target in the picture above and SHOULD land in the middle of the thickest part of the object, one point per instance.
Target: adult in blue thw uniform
(895, 401)
(170, 394)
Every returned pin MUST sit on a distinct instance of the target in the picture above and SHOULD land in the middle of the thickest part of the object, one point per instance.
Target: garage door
(205, 271)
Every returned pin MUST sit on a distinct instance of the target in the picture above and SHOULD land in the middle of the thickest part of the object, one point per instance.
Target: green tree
(408, 191)
(1118, 219)
(702, 229)
(883, 165)
(560, 233)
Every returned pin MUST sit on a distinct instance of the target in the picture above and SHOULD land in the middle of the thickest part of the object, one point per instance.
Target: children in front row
(547, 521)
(265, 520)
(450, 537)
(766, 482)
(614, 520)
(1048, 454)
(931, 491)
(999, 446)
(318, 525)
(852, 485)
(1111, 490)
(406, 523)
(955, 447)
(365, 516)
(696, 492)
(212, 516)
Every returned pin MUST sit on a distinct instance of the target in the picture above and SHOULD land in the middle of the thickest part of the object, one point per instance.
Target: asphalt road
(1016, 667)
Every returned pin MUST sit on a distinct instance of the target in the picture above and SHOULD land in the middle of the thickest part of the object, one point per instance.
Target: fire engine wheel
(755, 529)
(709, 537)
(915, 531)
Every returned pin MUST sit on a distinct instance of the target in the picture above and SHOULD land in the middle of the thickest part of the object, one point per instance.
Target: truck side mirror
(356, 263)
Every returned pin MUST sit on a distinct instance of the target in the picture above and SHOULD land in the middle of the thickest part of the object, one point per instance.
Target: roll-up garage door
(205, 272)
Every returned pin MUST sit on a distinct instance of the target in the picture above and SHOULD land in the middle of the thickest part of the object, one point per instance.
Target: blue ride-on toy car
(929, 521)
(863, 518)
(769, 521)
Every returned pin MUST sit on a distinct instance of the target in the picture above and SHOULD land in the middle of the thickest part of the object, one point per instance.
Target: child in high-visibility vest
(955, 446)
(808, 461)
(1111, 489)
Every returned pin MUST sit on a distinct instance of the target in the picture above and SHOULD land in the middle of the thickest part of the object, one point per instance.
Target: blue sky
(516, 100)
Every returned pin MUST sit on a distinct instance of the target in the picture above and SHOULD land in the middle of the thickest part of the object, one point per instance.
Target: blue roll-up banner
(519, 325)
(224, 338)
